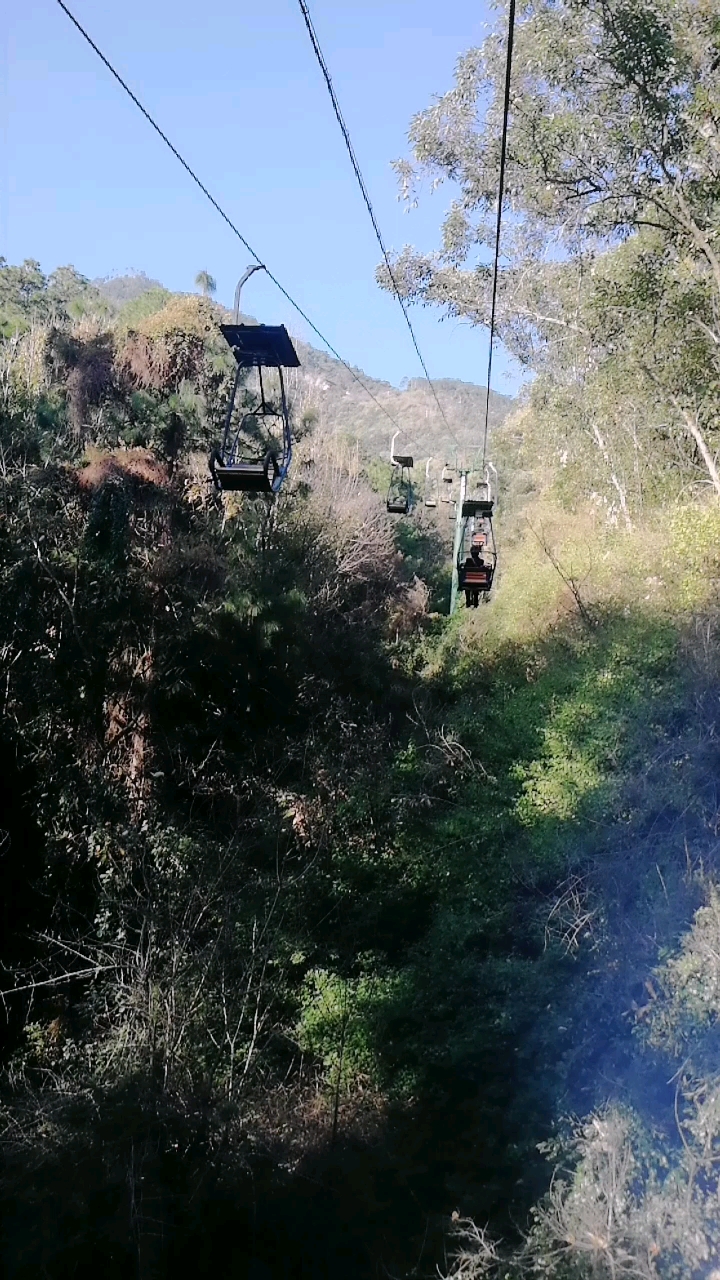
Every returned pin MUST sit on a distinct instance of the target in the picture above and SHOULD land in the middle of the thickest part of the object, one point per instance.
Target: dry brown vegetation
(101, 465)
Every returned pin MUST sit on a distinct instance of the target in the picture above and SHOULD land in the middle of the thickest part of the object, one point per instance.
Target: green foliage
(338, 1025)
(325, 894)
(145, 305)
(683, 1015)
(27, 295)
(606, 717)
(612, 281)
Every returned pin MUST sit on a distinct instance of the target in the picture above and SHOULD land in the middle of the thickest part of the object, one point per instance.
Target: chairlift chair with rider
(477, 555)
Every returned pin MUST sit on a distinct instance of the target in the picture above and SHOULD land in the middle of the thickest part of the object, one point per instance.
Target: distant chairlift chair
(259, 346)
(400, 494)
(446, 494)
(431, 487)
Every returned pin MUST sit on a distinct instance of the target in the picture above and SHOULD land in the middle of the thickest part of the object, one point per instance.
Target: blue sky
(236, 86)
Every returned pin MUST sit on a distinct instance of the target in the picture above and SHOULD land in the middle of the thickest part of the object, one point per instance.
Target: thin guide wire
(366, 197)
(220, 210)
(498, 228)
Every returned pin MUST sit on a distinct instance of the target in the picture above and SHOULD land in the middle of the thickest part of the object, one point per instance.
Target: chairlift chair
(255, 346)
(400, 494)
(477, 554)
(447, 494)
(431, 487)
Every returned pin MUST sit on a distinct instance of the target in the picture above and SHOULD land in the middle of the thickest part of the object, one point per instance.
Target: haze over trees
(339, 937)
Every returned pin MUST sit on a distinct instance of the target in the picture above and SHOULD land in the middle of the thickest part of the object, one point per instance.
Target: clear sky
(85, 180)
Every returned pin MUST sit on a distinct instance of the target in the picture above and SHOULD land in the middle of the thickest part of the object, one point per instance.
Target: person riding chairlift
(474, 562)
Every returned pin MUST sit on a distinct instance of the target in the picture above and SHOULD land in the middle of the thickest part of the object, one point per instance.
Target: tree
(632, 371)
(613, 126)
(614, 134)
(206, 283)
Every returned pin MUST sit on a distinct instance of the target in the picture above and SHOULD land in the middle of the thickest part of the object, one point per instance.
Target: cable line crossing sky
(220, 210)
(96, 190)
(498, 227)
(366, 197)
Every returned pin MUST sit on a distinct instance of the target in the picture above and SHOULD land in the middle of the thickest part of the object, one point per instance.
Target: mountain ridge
(335, 392)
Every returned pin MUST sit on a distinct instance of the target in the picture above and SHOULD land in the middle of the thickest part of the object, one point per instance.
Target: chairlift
(447, 493)
(477, 554)
(264, 419)
(431, 487)
(400, 494)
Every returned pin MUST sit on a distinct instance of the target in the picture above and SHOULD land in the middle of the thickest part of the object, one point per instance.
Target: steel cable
(221, 211)
(498, 228)
(368, 202)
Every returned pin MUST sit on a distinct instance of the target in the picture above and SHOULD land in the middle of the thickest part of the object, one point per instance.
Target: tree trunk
(693, 427)
(619, 488)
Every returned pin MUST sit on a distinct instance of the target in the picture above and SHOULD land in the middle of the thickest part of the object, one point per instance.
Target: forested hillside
(340, 937)
(322, 385)
(339, 401)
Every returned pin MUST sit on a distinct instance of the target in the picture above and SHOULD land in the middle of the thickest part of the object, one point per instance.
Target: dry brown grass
(121, 464)
(163, 363)
(296, 1121)
(84, 358)
(164, 349)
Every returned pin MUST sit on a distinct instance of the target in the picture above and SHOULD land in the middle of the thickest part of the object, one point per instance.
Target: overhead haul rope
(366, 197)
(498, 228)
(222, 212)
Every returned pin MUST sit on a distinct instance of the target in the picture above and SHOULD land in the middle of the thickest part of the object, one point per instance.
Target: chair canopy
(269, 345)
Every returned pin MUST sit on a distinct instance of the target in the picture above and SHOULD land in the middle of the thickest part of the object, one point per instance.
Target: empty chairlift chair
(400, 494)
(258, 418)
(431, 487)
(446, 493)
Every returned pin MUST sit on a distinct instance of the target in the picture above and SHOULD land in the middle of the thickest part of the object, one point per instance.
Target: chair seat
(249, 477)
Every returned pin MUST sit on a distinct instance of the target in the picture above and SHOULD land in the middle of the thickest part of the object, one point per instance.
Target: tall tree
(615, 124)
(614, 133)
(206, 283)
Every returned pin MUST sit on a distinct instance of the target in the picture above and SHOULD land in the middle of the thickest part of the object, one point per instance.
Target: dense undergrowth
(321, 910)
